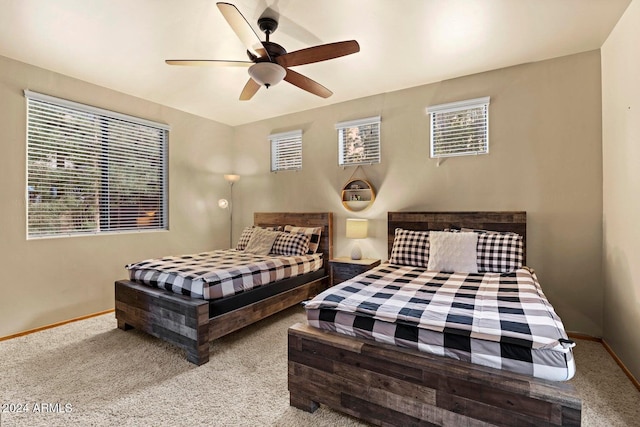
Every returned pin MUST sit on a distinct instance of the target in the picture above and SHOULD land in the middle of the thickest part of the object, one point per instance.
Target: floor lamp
(228, 204)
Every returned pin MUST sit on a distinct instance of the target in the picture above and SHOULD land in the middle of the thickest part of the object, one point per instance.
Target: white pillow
(454, 252)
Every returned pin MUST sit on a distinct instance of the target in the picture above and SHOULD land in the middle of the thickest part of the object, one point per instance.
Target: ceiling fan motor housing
(267, 25)
(266, 71)
(274, 50)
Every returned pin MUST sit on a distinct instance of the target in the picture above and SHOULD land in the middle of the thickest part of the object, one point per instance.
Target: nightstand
(346, 268)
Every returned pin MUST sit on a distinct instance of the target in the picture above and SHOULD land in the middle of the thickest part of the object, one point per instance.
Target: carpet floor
(89, 373)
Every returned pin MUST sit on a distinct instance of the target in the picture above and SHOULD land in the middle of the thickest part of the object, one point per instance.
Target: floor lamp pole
(231, 179)
(230, 214)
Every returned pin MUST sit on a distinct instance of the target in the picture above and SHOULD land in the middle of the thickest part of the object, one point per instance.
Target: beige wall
(621, 187)
(51, 280)
(545, 158)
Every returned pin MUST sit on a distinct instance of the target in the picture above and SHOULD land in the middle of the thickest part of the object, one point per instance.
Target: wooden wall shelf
(357, 195)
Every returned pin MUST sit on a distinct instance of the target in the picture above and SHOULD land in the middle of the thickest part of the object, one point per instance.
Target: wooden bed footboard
(388, 385)
(177, 319)
(185, 323)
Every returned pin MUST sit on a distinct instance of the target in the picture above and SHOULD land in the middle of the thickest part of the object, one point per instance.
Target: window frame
(99, 175)
(371, 148)
(438, 149)
(289, 143)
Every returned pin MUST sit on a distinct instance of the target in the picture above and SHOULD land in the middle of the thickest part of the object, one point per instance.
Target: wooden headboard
(515, 221)
(303, 219)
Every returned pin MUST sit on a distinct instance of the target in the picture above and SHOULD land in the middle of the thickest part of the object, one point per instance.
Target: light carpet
(89, 373)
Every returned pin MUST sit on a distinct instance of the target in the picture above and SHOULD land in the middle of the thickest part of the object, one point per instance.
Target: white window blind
(91, 170)
(460, 128)
(286, 151)
(359, 141)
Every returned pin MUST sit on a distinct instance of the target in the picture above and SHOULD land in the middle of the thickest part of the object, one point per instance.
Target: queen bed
(194, 299)
(416, 341)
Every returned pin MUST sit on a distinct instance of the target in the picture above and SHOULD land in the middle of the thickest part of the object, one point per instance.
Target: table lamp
(356, 229)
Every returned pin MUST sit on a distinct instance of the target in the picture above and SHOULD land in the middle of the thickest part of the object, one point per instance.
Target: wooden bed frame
(388, 385)
(186, 322)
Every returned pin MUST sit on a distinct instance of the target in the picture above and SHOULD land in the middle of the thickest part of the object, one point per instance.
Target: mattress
(502, 321)
(221, 273)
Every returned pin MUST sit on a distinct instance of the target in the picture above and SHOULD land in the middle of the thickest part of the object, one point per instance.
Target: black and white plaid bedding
(498, 320)
(221, 273)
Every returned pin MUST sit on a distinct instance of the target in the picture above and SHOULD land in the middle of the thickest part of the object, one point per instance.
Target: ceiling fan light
(267, 73)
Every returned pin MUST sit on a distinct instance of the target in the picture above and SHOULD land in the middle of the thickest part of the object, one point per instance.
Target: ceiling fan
(269, 62)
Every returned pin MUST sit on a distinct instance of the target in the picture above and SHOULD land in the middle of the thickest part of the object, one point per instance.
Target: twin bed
(179, 300)
(415, 341)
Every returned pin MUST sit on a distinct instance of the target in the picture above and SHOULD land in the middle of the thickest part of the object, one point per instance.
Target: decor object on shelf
(228, 204)
(356, 229)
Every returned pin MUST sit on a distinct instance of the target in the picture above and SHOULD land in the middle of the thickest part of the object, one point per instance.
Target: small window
(359, 141)
(286, 151)
(460, 128)
(92, 171)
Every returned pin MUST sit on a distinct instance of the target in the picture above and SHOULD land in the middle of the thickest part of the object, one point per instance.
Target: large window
(92, 171)
(286, 151)
(359, 142)
(460, 128)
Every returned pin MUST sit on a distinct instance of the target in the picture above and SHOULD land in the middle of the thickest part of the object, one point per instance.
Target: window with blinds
(359, 141)
(92, 171)
(286, 151)
(460, 128)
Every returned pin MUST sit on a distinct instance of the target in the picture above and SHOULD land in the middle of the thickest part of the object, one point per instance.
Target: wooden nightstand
(346, 268)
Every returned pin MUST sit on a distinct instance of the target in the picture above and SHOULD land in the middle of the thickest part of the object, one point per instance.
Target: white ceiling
(122, 44)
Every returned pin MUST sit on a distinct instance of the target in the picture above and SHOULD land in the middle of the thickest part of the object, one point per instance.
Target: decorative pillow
(261, 241)
(313, 233)
(246, 235)
(454, 252)
(499, 252)
(410, 248)
(291, 244)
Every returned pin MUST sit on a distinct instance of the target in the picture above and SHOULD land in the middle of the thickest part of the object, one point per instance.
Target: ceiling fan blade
(318, 53)
(249, 90)
(243, 30)
(305, 83)
(208, 62)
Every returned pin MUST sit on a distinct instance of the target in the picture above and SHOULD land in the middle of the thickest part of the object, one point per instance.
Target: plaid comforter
(221, 273)
(497, 320)
(506, 307)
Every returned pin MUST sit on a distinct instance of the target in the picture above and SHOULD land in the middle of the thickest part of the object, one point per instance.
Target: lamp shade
(223, 203)
(357, 228)
(267, 73)
(231, 177)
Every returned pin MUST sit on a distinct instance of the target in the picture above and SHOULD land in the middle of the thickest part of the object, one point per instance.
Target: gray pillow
(261, 241)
